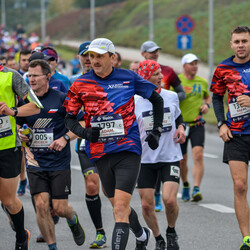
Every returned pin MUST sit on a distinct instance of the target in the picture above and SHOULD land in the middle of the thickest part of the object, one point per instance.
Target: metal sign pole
(211, 40)
(151, 20)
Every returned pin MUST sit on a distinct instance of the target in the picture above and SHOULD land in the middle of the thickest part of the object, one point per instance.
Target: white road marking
(219, 208)
(211, 156)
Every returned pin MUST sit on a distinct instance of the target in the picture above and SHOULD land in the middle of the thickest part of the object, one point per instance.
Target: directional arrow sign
(184, 41)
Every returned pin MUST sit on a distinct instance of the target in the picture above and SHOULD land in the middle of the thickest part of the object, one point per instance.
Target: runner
(196, 104)
(150, 50)
(49, 157)
(13, 85)
(233, 75)
(163, 162)
(89, 170)
(107, 95)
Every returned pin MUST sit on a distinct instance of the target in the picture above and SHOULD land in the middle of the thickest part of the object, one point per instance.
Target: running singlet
(109, 103)
(48, 126)
(169, 77)
(235, 78)
(168, 150)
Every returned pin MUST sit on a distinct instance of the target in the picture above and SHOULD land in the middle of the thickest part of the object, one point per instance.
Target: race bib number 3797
(112, 127)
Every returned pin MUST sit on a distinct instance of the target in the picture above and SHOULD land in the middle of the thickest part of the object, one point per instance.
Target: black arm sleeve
(218, 107)
(180, 92)
(179, 121)
(157, 103)
(73, 125)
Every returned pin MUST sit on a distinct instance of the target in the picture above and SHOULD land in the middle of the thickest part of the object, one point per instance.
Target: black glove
(153, 138)
(92, 134)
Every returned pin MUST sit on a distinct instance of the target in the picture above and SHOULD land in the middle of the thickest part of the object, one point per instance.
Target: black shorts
(56, 183)
(237, 149)
(167, 171)
(197, 137)
(86, 166)
(10, 162)
(119, 171)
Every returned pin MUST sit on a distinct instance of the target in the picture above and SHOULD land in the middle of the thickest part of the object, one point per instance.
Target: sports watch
(15, 110)
(67, 138)
(220, 123)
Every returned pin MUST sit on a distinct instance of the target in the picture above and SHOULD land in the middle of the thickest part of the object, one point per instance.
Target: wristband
(208, 105)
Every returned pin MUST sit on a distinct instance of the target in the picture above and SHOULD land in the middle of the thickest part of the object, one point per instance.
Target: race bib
(148, 120)
(43, 137)
(112, 127)
(5, 126)
(237, 112)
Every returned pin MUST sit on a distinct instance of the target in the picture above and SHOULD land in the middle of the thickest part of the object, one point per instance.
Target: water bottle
(26, 131)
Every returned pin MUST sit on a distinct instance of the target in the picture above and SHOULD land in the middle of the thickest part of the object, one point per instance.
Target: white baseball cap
(101, 46)
(188, 58)
(149, 46)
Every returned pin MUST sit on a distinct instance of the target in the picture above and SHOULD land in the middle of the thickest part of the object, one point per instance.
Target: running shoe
(40, 239)
(158, 206)
(172, 241)
(186, 193)
(22, 187)
(8, 215)
(25, 244)
(100, 241)
(160, 245)
(142, 245)
(245, 246)
(78, 232)
(196, 195)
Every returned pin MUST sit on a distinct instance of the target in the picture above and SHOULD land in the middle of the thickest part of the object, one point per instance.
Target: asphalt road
(208, 225)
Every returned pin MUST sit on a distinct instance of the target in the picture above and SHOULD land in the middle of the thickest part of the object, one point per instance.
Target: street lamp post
(92, 19)
(43, 20)
(211, 40)
(3, 21)
(151, 20)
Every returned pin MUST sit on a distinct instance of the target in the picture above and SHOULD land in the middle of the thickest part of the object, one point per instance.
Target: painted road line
(219, 208)
(211, 156)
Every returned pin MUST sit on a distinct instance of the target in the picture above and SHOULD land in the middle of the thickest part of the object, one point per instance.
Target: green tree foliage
(86, 3)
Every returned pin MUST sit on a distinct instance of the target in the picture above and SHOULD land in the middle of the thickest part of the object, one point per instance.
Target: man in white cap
(111, 132)
(196, 104)
(89, 170)
(150, 50)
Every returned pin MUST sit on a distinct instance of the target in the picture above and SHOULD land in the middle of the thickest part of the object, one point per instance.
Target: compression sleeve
(73, 125)
(217, 101)
(157, 103)
(180, 92)
(179, 121)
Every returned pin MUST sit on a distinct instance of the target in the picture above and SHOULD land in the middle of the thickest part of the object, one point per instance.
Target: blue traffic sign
(184, 42)
(184, 24)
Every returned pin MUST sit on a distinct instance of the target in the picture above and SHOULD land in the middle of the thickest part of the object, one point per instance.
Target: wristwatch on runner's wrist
(220, 123)
(15, 110)
(66, 137)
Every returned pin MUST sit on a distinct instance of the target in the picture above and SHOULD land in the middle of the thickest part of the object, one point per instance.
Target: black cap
(38, 55)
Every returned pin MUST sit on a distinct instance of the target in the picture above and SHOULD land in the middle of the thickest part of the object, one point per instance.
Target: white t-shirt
(168, 150)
